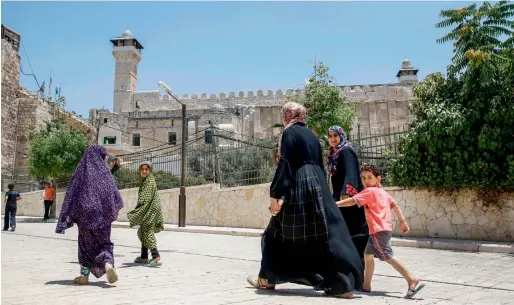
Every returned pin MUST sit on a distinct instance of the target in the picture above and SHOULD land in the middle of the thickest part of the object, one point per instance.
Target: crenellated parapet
(383, 92)
(156, 95)
(155, 100)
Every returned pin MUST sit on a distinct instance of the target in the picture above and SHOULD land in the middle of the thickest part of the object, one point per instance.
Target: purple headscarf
(92, 200)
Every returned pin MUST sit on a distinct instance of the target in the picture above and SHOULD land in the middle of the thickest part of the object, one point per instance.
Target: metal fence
(231, 159)
(220, 156)
(376, 147)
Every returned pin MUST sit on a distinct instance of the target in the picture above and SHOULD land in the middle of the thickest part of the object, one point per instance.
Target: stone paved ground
(38, 267)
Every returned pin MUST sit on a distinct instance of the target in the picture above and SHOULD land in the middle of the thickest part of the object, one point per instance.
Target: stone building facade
(22, 113)
(145, 119)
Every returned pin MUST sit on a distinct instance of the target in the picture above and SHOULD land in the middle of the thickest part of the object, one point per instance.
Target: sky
(215, 47)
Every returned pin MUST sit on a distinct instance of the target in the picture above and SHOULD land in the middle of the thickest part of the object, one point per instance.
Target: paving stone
(38, 267)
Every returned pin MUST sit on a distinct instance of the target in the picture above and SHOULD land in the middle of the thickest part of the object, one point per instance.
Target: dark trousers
(10, 216)
(48, 204)
(144, 253)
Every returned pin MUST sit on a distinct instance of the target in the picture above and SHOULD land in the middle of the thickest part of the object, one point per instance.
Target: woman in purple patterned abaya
(92, 202)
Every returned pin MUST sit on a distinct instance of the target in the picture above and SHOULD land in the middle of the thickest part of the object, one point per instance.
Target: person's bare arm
(346, 203)
(401, 219)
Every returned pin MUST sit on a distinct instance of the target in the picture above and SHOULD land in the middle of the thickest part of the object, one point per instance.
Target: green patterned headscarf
(148, 212)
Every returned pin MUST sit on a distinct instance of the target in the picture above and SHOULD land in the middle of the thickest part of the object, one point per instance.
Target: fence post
(217, 172)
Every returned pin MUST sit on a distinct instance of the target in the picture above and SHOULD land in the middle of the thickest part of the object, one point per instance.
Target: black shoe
(12, 229)
(5, 230)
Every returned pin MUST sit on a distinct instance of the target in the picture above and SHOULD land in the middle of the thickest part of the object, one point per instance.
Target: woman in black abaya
(307, 240)
(343, 166)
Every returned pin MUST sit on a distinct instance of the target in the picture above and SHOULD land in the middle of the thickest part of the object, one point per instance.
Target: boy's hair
(370, 168)
(10, 186)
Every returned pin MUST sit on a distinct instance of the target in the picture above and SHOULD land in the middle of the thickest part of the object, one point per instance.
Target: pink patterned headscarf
(292, 113)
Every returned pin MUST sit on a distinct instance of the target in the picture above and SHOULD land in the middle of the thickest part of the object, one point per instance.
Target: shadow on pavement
(70, 283)
(389, 294)
(309, 293)
(130, 265)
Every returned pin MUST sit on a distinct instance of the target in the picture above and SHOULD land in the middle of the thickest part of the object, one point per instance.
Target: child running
(92, 201)
(11, 204)
(148, 216)
(377, 205)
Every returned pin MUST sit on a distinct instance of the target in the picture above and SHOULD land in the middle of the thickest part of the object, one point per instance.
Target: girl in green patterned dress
(148, 216)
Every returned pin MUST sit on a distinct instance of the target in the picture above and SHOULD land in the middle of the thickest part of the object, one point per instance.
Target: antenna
(50, 85)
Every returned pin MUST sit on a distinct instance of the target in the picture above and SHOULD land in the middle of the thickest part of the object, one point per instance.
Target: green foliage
(462, 134)
(56, 150)
(325, 104)
(246, 165)
(131, 178)
(477, 33)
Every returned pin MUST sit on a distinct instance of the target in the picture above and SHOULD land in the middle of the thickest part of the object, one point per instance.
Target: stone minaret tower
(127, 53)
(407, 74)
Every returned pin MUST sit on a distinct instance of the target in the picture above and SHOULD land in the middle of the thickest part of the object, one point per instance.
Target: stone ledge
(428, 243)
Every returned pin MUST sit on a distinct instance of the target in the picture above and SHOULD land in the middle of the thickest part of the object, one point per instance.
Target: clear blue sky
(226, 46)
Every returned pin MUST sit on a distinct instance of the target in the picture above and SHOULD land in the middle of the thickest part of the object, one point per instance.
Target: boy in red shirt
(378, 205)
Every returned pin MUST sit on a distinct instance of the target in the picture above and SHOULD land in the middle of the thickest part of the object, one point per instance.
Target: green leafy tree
(477, 33)
(56, 150)
(325, 104)
(462, 133)
(236, 166)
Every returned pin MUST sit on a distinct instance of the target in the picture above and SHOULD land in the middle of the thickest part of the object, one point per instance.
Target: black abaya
(308, 242)
(348, 173)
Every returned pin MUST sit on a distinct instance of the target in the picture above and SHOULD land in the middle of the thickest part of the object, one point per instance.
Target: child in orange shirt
(377, 205)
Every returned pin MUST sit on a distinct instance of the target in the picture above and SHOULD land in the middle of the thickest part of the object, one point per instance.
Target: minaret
(127, 53)
(407, 73)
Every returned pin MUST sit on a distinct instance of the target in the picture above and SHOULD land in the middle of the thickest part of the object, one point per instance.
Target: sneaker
(13, 229)
(81, 280)
(112, 276)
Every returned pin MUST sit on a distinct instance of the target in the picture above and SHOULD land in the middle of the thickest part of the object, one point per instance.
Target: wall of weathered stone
(10, 81)
(462, 216)
(32, 115)
(23, 113)
(380, 109)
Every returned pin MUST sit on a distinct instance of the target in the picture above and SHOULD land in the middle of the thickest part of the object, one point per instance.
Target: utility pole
(182, 195)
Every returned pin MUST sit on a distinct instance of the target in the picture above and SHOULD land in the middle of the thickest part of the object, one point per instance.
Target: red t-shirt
(377, 205)
(49, 193)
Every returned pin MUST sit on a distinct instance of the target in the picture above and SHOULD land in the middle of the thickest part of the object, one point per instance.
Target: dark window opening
(136, 139)
(172, 138)
(105, 121)
(208, 137)
(109, 140)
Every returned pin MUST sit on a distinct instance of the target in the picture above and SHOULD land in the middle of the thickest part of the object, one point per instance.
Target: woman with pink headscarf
(307, 241)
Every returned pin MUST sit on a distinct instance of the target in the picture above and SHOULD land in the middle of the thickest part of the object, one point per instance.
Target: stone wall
(23, 113)
(32, 115)
(10, 87)
(429, 215)
(381, 109)
(154, 101)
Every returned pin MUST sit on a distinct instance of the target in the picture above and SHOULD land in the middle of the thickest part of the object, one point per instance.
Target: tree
(477, 33)
(325, 104)
(245, 165)
(56, 150)
(461, 135)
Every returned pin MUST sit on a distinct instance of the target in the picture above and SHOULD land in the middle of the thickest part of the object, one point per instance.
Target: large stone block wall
(462, 216)
(32, 115)
(458, 216)
(10, 87)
